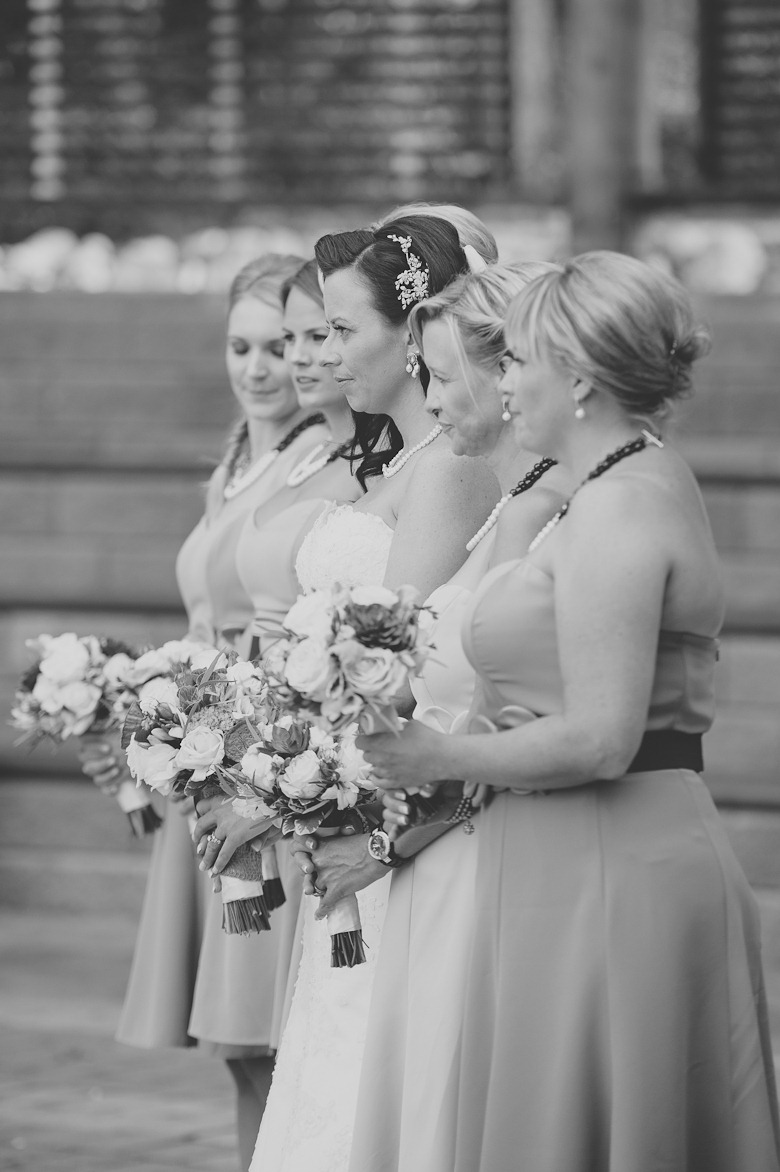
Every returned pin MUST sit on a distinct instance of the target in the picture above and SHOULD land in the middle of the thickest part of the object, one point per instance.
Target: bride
(422, 504)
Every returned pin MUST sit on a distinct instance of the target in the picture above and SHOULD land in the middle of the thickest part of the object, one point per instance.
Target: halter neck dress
(170, 943)
(615, 1018)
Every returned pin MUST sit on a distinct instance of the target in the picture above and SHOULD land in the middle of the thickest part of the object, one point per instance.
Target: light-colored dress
(615, 1017)
(408, 1098)
(308, 1121)
(159, 999)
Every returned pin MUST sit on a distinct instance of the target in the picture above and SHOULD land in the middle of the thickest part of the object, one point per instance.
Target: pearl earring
(579, 411)
(505, 413)
(412, 365)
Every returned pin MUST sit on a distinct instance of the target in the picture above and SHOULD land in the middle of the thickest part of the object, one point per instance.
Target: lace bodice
(344, 545)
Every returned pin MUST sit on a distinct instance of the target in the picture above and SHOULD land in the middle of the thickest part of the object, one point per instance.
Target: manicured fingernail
(202, 866)
(349, 830)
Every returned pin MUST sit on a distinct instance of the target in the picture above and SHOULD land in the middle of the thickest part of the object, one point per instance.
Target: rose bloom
(47, 695)
(147, 666)
(201, 750)
(319, 739)
(117, 669)
(309, 668)
(159, 690)
(155, 765)
(302, 778)
(259, 767)
(203, 659)
(374, 596)
(311, 616)
(65, 659)
(372, 671)
(353, 766)
(80, 698)
(241, 672)
(182, 650)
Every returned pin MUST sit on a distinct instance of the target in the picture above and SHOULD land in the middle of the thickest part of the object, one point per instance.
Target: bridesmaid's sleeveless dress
(179, 904)
(615, 1017)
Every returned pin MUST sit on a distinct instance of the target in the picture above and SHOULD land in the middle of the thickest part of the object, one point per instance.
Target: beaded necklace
(400, 458)
(244, 472)
(523, 485)
(313, 463)
(608, 462)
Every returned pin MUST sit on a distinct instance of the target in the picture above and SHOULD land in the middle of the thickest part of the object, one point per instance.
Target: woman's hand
(103, 762)
(418, 756)
(335, 867)
(220, 832)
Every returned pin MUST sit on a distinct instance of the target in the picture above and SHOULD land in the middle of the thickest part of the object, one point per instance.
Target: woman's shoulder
(439, 466)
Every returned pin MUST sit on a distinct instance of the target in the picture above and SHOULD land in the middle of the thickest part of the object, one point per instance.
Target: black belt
(666, 748)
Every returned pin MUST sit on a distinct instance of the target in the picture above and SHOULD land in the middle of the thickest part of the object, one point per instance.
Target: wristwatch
(381, 848)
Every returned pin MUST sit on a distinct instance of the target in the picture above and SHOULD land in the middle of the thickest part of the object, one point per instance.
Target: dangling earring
(579, 411)
(412, 364)
(505, 413)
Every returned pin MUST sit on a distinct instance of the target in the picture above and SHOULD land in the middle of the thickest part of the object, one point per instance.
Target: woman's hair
(474, 307)
(262, 278)
(307, 279)
(378, 261)
(469, 227)
(617, 323)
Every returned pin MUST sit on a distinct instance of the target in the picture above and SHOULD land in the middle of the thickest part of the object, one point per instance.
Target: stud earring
(412, 364)
(579, 411)
(505, 413)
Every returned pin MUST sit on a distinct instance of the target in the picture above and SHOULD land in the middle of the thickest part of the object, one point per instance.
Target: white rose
(47, 695)
(311, 616)
(66, 659)
(205, 658)
(80, 698)
(258, 767)
(117, 669)
(373, 596)
(241, 672)
(302, 779)
(158, 690)
(147, 666)
(372, 671)
(200, 751)
(154, 765)
(320, 739)
(182, 650)
(309, 668)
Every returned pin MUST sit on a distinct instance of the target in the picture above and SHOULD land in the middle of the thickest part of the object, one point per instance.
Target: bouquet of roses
(186, 737)
(301, 779)
(83, 686)
(348, 655)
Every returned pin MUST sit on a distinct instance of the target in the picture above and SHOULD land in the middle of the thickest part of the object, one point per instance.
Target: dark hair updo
(378, 261)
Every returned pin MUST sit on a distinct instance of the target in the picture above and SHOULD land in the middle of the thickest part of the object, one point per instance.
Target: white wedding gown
(309, 1119)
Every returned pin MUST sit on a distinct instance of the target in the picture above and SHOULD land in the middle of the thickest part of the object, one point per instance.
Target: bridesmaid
(408, 1094)
(265, 563)
(272, 437)
(615, 1013)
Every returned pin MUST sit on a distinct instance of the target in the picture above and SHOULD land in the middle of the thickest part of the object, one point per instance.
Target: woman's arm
(446, 501)
(610, 566)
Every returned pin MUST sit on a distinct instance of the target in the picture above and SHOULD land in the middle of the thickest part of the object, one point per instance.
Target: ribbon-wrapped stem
(244, 910)
(134, 801)
(273, 888)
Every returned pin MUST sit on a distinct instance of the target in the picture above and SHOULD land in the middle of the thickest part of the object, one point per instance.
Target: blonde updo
(618, 324)
(474, 306)
(471, 230)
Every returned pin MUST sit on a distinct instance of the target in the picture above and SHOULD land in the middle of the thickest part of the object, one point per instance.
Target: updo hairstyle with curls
(474, 307)
(263, 279)
(378, 261)
(618, 324)
(471, 230)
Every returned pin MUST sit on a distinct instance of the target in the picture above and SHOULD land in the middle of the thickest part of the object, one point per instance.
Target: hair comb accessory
(476, 263)
(412, 283)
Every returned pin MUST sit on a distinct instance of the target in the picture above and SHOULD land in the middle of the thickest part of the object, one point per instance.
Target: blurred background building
(149, 148)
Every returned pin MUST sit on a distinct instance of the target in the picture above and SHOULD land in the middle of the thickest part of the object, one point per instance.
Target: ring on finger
(215, 840)
(319, 890)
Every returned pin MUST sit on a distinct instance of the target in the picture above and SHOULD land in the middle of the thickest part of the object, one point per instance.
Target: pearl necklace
(245, 473)
(523, 485)
(608, 462)
(400, 458)
(241, 480)
(310, 465)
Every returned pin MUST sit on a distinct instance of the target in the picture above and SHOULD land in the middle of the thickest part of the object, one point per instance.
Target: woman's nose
(328, 355)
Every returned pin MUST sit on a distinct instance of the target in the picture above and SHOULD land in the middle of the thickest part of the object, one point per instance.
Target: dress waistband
(668, 748)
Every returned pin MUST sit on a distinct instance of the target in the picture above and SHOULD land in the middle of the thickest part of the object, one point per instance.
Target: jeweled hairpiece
(412, 283)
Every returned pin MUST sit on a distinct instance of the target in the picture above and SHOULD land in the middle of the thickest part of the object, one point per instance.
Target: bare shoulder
(439, 468)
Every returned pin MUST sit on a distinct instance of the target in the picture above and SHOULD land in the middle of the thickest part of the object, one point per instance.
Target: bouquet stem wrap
(346, 933)
(134, 802)
(273, 888)
(244, 909)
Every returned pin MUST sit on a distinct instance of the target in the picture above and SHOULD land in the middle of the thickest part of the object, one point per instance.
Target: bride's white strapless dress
(309, 1118)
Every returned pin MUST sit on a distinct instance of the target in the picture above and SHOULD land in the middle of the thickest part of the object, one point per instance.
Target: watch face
(378, 845)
